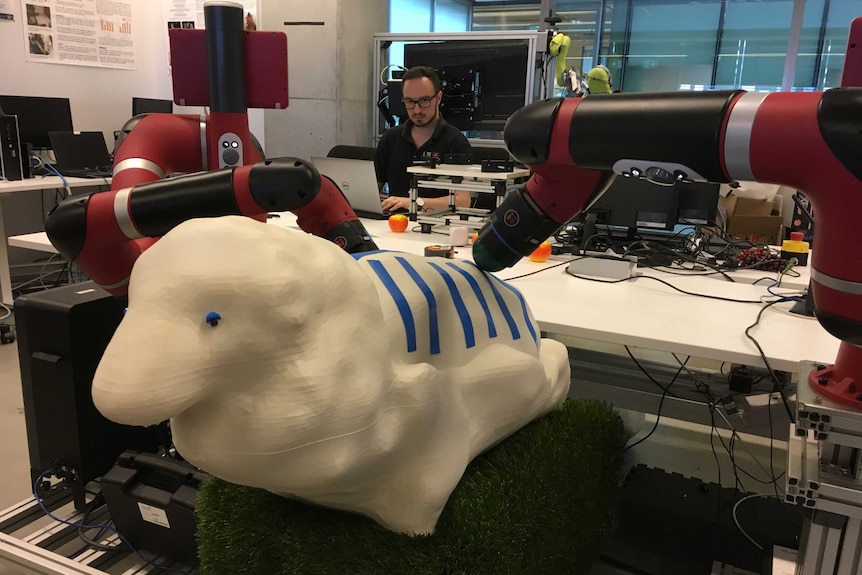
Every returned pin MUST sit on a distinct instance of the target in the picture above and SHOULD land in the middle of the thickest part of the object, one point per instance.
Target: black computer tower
(62, 334)
(14, 163)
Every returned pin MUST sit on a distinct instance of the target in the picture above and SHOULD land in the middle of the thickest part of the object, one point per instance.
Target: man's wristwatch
(420, 203)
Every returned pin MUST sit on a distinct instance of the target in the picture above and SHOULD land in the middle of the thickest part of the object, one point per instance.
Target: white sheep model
(365, 383)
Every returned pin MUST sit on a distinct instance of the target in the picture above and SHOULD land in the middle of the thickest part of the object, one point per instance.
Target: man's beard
(427, 120)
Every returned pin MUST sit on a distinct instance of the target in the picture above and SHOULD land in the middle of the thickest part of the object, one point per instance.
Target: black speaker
(62, 334)
(14, 163)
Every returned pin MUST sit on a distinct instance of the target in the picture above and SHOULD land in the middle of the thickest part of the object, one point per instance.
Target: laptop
(358, 181)
(81, 154)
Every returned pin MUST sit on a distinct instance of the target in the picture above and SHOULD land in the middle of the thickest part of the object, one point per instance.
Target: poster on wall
(79, 32)
(190, 13)
(6, 10)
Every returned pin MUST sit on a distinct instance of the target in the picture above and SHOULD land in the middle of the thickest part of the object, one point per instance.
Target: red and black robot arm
(104, 233)
(808, 141)
(576, 146)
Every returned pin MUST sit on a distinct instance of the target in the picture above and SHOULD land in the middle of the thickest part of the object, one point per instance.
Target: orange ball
(474, 238)
(541, 253)
(398, 222)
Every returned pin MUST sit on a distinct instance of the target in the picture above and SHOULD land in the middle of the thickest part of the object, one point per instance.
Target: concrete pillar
(330, 74)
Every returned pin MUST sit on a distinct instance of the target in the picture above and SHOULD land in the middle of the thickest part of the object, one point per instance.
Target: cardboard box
(751, 219)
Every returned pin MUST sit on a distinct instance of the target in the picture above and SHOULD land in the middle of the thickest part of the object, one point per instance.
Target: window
(821, 58)
(429, 15)
(521, 16)
(451, 16)
(407, 16)
(753, 45)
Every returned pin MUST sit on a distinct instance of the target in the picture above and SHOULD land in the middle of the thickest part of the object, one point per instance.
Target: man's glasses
(423, 102)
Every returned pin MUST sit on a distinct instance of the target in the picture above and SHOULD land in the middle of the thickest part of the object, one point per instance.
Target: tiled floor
(15, 474)
(15, 477)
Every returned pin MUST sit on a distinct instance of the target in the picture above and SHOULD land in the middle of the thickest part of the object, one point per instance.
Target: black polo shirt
(396, 152)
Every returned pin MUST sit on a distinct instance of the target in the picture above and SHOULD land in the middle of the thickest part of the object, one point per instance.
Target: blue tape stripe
(359, 255)
(433, 327)
(400, 302)
(523, 308)
(466, 322)
(504, 308)
(492, 329)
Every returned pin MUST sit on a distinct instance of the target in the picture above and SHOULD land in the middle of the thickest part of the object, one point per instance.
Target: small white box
(458, 236)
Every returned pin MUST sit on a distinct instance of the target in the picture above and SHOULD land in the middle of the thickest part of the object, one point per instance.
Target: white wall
(330, 74)
(101, 98)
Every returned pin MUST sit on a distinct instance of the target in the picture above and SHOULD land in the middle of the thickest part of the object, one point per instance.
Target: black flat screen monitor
(637, 203)
(151, 106)
(395, 97)
(640, 204)
(697, 203)
(483, 81)
(37, 116)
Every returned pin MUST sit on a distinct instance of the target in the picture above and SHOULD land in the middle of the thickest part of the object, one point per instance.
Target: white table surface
(37, 184)
(645, 313)
(49, 183)
(640, 312)
(36, 241)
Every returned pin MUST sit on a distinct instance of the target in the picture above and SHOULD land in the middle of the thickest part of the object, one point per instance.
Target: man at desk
(424, 136)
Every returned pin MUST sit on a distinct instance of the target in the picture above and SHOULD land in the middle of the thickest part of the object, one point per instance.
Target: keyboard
(89, 173)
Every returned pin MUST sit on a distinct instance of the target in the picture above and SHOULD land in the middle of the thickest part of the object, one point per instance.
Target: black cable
(660, 386)
(711, 403)
(665, 283)
(681, 255)
(666, 390)
(779, 387)
(712, 433)
(541, 270)
(85, 526)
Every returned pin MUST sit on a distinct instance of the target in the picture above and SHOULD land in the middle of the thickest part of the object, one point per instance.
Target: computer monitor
(37, 116)
(151, 106)
(395, 97)
(640, 204)
(637, 203)
(483, 81)
(697, 203)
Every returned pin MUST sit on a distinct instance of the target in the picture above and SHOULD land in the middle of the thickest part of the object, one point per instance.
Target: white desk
(647, 314)
(640, 312)
(35, 241)
(38, 184)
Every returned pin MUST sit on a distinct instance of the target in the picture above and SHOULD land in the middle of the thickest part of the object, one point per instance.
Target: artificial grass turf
(541, 502)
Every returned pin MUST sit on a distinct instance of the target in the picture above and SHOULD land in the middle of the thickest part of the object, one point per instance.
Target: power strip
(602, 266)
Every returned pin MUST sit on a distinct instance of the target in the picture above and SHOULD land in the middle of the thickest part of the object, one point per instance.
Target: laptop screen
(356, 179)
(80, 150)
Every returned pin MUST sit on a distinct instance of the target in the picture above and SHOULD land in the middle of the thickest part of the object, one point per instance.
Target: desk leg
(5, 278)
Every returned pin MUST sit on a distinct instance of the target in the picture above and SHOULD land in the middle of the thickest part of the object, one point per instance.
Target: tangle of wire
(102, 527)
(735, 438)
